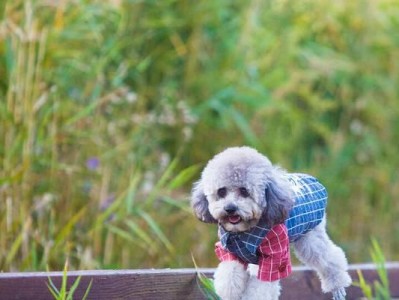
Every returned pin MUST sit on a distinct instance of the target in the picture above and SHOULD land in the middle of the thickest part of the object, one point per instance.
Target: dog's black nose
(230, 208)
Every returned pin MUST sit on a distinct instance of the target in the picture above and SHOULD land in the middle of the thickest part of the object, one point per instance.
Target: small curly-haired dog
(260, 209)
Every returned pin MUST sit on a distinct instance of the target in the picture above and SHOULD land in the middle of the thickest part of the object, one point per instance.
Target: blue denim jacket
(307, 212)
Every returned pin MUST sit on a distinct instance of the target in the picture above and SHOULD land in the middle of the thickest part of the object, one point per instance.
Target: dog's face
(239, 186)
(235, 208)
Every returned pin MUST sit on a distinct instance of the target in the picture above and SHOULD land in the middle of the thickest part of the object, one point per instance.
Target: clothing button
(282, 267)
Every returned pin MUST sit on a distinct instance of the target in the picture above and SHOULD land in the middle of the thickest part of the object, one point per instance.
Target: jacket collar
(244, 244)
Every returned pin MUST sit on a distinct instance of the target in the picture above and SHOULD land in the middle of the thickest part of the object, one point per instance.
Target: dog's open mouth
(235, 219)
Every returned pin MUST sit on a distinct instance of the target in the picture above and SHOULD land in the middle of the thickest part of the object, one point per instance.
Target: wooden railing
(170, 284)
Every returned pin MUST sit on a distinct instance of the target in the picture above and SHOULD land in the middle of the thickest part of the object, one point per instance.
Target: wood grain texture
(168, 284)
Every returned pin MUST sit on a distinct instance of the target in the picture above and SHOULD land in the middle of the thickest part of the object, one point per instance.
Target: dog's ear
(279, 200)
(199, 203)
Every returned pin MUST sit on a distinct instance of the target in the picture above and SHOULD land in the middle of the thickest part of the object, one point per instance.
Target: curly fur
(230, 280)
(269, 192)
(243, 183)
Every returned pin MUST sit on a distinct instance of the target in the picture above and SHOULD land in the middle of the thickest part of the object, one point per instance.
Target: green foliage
(205, 284)
(207, 287)
(63, 293)
(109, 109)
(379, 290)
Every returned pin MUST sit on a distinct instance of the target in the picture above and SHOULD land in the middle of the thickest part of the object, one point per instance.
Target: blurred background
(110, 109)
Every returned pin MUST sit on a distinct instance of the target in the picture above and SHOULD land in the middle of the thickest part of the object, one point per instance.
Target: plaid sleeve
(225, 255)
(274, 260)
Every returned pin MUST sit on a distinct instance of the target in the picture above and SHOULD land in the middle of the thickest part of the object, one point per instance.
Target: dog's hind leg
(316, 250)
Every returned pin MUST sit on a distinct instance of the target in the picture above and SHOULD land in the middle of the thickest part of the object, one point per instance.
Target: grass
(205, 284)
(378, 290)
(207, 287)
(109, 109)
(63, 293)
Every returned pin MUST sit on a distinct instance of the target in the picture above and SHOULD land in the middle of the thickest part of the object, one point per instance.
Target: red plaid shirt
(274, 254)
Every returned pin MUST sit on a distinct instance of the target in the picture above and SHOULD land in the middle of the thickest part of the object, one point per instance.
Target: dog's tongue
(234, 219)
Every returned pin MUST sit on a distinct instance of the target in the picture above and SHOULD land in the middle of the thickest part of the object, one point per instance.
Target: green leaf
(184, 176)
(87, 290)
(162, 181)
(364, 286)
(140, 233)
(157, 230)
(62, 236)
(73, 288)
(122, 233)
(63, 290)
(52, 288)
(205, 284)
(183, 205)
(378, 258)
(244, 126)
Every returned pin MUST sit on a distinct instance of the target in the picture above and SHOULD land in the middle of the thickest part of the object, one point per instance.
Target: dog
(260, 210)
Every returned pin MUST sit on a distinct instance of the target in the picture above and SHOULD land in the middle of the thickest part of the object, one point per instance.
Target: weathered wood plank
(304, 284)
(168, 284)
(106, 284)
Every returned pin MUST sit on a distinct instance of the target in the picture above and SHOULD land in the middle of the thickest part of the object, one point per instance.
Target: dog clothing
(269, 247)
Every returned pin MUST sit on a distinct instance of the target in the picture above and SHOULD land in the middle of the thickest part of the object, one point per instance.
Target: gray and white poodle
(260, 209)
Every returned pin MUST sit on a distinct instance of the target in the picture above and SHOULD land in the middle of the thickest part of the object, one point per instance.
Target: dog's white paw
(339, 294)
(335, 282)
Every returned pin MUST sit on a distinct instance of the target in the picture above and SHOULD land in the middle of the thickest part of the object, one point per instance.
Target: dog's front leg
(260, 290)
(231, 280)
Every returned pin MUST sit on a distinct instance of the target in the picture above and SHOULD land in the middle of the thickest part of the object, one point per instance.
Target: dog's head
(238, 187)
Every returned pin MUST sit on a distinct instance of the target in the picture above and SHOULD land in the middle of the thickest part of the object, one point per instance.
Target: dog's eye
(244, 192)
(222, 192)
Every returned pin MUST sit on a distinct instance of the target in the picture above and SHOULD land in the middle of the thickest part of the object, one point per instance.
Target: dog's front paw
(230, 280)
(339, 294)
(336, 282)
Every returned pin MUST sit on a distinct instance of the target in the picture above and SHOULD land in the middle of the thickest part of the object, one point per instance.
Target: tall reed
(109, 109)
